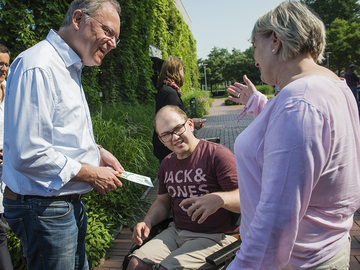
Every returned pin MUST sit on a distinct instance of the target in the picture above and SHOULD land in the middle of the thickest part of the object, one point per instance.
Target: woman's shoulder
(167, 89)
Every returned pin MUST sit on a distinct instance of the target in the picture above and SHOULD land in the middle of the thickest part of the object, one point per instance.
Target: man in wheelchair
(198, 183)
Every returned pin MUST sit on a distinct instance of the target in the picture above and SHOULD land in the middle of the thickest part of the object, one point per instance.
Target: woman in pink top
(298, 162)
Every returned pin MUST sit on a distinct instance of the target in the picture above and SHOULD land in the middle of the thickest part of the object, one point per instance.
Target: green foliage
(343, 42)
(25, 23)
(125, 74)
(329, 10)
(126, 131)
(223, 67)
(265, 89)
(229, 102)
(202, 101)
(16, 255)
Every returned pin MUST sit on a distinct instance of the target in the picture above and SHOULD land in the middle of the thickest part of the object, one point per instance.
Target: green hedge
(202, 101)
(265, 89)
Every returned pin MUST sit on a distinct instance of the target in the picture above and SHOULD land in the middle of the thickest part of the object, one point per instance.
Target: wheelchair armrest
(225, 254)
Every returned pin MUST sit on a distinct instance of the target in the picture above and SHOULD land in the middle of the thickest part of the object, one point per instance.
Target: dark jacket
(165, 96)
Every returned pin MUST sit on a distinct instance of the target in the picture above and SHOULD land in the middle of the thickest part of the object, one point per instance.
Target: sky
(224, 23)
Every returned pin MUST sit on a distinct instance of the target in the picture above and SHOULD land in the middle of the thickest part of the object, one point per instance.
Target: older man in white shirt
(50, 155)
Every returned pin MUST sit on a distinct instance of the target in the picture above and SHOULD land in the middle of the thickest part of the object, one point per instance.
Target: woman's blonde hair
(298, 29)
(171, 70)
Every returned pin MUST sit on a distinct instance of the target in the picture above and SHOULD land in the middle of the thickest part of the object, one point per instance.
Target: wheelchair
(220, 259)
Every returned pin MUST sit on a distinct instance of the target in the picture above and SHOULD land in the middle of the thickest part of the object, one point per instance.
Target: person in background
(298, 161)
(5, 259)
(198, 183)
(50, 154)
(170, 80)
(352, 81)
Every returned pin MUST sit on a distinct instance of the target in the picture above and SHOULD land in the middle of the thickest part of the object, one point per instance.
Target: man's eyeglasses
(107, 30)
(179, 130)
(2, 64)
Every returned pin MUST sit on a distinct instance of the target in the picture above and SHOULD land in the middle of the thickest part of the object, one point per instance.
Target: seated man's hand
(198, 123)
(141, 229)
(202, 206)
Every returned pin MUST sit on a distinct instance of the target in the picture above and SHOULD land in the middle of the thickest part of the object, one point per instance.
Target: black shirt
(165, 96)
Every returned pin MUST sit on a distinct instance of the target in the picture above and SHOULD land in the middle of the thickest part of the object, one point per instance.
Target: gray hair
(87, 6)
(298, 28)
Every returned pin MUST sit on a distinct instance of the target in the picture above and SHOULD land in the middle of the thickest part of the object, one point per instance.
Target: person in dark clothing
(170, 80)
(352, 80)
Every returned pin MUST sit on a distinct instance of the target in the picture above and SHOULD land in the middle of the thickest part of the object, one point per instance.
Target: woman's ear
(275, 43)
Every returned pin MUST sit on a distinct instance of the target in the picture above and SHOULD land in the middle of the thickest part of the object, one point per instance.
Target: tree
(329, 10)
(241, 63)
(343, 40)
(215, 65)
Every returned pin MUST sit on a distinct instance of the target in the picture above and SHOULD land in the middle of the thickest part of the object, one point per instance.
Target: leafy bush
(16, 254)
(265, 89)
(202, 101)
(228, 102)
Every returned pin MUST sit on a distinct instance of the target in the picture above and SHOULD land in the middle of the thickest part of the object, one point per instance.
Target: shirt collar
(63, 49)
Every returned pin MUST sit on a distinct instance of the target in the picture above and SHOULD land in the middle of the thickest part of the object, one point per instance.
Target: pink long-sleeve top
(298, 167)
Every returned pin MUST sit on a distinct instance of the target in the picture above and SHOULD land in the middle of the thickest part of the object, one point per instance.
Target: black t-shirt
(165, 96)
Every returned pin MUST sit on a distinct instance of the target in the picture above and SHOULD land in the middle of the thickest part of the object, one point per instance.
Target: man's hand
(203, 206)
(141, 229)
(101, 179)
(242, 92)
(198, 123)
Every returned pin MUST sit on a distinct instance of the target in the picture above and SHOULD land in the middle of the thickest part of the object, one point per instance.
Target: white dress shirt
(47, 122)
(299, 175)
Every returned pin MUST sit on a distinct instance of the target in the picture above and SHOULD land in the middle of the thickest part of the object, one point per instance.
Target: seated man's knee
(137, 264)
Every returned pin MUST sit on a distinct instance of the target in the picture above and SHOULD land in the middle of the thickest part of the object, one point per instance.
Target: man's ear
(78, 18)
(191, 124)
(275, 43)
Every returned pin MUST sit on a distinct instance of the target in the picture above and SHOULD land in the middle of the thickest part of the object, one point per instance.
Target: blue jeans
(52, 232)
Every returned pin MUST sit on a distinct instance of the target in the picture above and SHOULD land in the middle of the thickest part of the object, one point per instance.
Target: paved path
(219, 124)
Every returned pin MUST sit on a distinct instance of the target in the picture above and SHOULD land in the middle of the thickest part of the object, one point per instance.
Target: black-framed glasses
(179, 130)
(107, 30)
(2, 64)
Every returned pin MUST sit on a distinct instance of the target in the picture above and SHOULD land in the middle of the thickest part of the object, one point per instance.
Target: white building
(179, 5)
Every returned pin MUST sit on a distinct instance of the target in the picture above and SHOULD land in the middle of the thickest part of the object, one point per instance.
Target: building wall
(179, 5)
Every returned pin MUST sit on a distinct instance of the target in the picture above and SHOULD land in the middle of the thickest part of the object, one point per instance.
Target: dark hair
(171, 70)
(3, 49)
